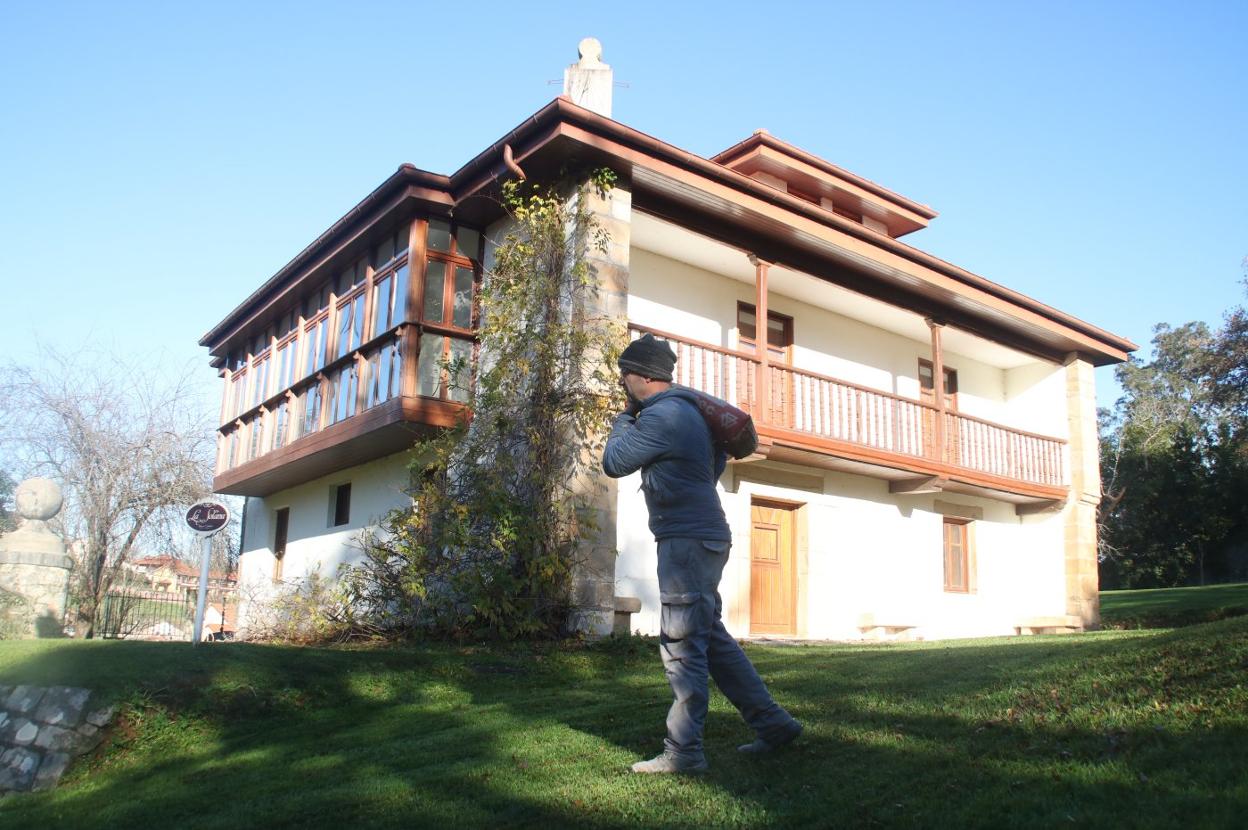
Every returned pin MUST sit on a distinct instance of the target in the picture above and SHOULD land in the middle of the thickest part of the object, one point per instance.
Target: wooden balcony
(815, 420)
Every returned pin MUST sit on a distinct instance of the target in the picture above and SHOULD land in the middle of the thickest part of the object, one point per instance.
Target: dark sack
(731, 429)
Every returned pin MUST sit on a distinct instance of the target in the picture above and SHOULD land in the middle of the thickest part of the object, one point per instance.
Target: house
(928, 456)
(170, 575)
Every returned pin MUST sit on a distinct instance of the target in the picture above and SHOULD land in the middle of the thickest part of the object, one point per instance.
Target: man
(664, 435)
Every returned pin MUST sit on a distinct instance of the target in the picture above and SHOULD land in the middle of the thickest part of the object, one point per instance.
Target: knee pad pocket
(682, 614)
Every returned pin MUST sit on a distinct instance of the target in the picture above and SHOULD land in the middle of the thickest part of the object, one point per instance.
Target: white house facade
(927, 463)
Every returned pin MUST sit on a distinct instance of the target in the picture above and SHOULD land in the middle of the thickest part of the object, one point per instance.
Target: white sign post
(206, 518)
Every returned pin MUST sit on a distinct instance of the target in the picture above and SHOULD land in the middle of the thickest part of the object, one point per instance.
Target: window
(447, 303)
(779, 331)
(281, 527)
(344, 386)
(383, 373)
(926, 386)
(340, 504)
(959, 559)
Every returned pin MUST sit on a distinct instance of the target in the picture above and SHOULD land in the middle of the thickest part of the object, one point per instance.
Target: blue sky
(158, 161)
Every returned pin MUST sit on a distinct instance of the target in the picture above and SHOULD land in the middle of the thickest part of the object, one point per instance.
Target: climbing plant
(500, 502)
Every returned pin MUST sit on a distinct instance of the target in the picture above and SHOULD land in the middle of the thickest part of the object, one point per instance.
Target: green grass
(1113, 729)
(1167, 607)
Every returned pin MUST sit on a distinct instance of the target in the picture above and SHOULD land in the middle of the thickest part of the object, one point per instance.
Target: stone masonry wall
(42, 730)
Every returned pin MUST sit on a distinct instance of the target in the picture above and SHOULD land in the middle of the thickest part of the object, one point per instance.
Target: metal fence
(130, 613)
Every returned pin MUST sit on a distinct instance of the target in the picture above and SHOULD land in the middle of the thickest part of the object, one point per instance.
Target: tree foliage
(129, 449)
(8, 514)
(490, 544)
(1174, 461)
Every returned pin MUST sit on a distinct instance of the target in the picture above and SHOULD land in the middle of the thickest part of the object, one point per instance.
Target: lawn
(1122, 728)
(1165, 607)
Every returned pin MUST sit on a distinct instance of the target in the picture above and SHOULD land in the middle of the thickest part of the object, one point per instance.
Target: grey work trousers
(693, 642)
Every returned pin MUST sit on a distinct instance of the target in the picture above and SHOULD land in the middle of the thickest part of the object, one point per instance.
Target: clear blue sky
(158, 161)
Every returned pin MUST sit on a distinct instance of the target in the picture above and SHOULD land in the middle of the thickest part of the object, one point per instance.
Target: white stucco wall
(312, 540)
(869, 551)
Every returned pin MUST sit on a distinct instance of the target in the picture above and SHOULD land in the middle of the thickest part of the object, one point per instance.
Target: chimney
(588, 81)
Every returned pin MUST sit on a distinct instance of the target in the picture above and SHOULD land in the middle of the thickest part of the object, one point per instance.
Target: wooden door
(773, 575)
(927, 394)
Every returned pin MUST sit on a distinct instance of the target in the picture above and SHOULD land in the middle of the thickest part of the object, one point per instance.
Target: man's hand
(633, 408)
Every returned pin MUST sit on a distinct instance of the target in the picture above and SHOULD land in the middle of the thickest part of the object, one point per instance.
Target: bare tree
(130, 446)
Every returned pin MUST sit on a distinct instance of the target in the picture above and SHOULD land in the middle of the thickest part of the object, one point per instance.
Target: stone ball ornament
(38, 499)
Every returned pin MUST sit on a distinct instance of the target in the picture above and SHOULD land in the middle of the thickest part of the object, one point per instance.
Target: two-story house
(928, 457)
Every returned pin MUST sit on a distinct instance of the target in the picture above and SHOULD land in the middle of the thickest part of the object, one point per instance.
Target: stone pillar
(594, 578)
(1079, 515)
(33, 565)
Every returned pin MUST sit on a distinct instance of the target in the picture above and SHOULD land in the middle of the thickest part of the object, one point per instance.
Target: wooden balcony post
(761, 332)
(938, 389)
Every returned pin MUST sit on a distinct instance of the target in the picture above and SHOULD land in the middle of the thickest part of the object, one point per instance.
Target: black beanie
(649, 357)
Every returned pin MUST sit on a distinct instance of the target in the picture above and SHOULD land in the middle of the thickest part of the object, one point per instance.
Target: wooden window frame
(967, 555)
(281, 534)
(951, 385)
(452, 259)
(787, 332)
(340, 505)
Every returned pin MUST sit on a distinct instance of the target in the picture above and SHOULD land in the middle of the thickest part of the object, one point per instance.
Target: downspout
(510, 161)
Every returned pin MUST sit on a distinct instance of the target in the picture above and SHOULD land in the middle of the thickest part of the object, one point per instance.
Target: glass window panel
(395, 356)
(296, 417)
(312, 410)
(398, 307)
(384, 252)
(344, 329)
(257, 434)
(468, 242)
(342, 283)
(461, 362)
(439, 236)
(429, 369)
(283, 363)
(435, 283)
(373, 396)
(381, 305)
(232, 452)
(279, 425)
(461, 311)
(239, 384)
(357, 325)
(402, 237)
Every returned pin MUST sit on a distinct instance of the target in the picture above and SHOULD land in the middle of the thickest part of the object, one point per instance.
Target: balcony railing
(827, 408)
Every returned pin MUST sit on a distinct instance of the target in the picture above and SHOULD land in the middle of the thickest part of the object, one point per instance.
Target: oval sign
(207, 517)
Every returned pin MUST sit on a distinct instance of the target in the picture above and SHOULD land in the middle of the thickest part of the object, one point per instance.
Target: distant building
(928, 464)
(169, 575)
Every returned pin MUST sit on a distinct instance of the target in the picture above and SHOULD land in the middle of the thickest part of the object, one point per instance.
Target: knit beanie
(649, 357)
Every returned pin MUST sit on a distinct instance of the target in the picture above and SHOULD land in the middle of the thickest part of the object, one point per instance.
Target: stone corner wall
(42, 729)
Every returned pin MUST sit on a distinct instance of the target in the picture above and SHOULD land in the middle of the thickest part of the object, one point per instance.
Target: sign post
(206, 518)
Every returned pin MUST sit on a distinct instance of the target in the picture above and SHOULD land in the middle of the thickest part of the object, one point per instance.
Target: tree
(129, 449)
(1174, 461)
(492, 540)
(8, 516)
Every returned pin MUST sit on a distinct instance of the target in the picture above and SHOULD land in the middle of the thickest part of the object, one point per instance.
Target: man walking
(665, 436)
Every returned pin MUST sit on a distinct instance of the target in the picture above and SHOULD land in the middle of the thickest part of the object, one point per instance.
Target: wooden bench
(886, 626)
(1059, 624)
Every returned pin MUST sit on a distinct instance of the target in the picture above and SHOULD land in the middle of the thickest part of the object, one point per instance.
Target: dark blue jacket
(671, 444)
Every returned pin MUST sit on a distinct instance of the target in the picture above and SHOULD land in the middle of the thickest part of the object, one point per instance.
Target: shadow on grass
(958, 734)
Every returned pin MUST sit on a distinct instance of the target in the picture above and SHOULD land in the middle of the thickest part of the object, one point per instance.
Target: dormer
(781, 165)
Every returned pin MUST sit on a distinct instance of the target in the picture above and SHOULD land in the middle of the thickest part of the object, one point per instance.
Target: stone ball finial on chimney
(588, 81)
(590, 51)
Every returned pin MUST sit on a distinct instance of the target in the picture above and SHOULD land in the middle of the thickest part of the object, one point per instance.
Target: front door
(773, 576)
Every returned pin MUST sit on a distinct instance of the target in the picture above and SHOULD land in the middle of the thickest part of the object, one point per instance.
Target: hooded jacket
(670, 443)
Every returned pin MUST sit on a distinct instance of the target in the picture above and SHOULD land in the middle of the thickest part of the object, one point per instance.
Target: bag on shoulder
(732, 429)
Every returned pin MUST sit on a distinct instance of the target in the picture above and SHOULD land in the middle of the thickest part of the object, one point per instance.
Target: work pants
(693, 642)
